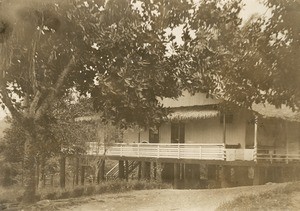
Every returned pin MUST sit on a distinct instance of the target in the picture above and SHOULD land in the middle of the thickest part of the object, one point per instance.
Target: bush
(78, 191)
(65, 194)
(11, 194)
(90, 190)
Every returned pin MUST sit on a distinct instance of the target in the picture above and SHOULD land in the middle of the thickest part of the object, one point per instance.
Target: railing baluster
(200, 153)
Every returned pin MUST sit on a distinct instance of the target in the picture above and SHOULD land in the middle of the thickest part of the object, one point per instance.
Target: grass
(10, 195)
(277, 199)
(14, 194)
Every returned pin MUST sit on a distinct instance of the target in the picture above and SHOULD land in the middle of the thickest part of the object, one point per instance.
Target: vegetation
(14, 193)
(278, 199)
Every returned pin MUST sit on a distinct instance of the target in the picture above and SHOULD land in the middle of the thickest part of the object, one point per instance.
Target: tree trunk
(43, 173)
(29, 170)
(37, 172)
(62, 171)
(77, 170)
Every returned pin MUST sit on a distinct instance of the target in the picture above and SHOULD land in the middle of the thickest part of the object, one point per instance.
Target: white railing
(273, 156)
(161, 150)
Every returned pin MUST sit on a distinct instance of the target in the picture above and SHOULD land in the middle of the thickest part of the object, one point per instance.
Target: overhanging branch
(8, 103)
(55, 90)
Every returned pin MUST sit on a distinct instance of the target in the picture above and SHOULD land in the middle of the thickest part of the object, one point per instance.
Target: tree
(106, 49)
(255, 62)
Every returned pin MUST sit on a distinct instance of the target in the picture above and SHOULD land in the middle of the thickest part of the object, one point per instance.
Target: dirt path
(165, 200)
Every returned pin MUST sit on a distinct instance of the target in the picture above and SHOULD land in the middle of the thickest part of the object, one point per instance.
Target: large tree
(245, 62)
(107, 49)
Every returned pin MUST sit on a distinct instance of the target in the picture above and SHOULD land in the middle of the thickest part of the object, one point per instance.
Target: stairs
(113, 173)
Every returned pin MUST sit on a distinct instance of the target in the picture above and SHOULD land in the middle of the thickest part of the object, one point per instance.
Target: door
(177, 133)
(154, 135)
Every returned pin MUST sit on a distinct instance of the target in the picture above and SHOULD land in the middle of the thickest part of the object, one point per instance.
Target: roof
(270, 111)
(88, 118)
(181, 114)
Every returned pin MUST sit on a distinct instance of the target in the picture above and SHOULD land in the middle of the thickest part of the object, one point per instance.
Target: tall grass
(11, 194)
(276, 199)
(14, 194)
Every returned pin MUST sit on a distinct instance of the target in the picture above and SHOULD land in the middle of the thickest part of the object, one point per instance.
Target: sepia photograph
(149, 105)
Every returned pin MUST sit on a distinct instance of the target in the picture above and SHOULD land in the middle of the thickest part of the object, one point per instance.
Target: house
(201, 144)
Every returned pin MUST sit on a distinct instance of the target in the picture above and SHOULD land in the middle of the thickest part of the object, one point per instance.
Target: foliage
(244, 63)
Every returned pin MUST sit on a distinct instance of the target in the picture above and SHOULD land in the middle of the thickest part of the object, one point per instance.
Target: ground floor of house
(195, 174)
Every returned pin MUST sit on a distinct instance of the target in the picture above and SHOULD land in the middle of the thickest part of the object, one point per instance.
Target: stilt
(223, 176)
(101, 171)
(257, 176)
(121, 169)
(158, 171)
(140, 171)
(154, 165)
(176, 175)
(126, 170)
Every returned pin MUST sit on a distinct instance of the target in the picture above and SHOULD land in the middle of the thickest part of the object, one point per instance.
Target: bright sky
(251, 7)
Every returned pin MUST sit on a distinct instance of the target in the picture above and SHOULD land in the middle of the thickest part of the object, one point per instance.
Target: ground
(167, 199)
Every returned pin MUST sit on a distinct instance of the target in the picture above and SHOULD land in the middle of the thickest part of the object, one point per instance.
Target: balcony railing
(161, 150)
(273, 155)
(189, 151)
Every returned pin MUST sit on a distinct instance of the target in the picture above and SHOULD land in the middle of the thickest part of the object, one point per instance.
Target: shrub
(11, 194)
(65, 194)
(78, 191)
(90, 190)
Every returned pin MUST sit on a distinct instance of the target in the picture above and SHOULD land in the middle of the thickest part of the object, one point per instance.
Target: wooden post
(121, 169)
(154, 164)
(224, 128)
(286, 141)
(126, 170)
(255, 138)
(257, 176)
(158, 171)
(101, 171)
(140, 170)
(176, 175)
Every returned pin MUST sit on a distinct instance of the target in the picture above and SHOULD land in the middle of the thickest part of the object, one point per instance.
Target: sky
(251, 7)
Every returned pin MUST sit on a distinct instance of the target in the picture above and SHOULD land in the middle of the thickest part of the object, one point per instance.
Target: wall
(272, 133)
(132, 135)
(210, 131)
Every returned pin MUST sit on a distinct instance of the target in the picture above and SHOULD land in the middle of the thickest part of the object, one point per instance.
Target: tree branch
(7, 102)
(53, 92)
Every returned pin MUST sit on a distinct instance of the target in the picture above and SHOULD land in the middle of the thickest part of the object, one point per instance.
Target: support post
(255, 138)
(257, 176)
(121, 169)
(101, 171)
(126, 170)
(140, 170)
(286, 142)
(176, 175)
(224, 129)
